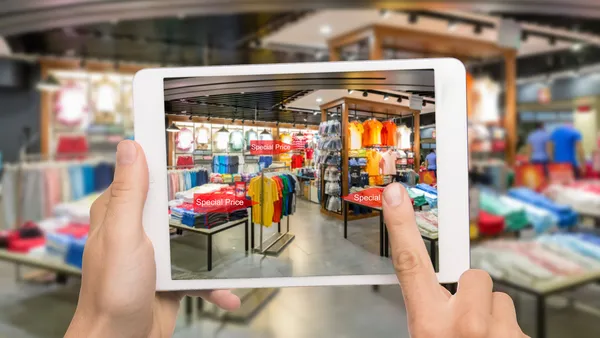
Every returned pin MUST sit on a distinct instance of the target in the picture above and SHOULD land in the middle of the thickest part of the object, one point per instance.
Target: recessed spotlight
(319, 99)
(350, 91)
(577, 47)
(365, 94)
(386, 97)
(325, 29)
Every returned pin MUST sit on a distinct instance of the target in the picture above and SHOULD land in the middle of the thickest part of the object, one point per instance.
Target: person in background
(565, 147)
(537, 148)
(431, 162)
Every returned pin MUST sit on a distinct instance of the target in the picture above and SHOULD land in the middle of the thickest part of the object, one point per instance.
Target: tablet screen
(282, 175)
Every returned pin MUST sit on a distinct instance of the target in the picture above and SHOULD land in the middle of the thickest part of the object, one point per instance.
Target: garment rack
(278, 241)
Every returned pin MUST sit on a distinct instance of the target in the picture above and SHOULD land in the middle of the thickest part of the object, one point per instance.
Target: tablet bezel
(452, 173)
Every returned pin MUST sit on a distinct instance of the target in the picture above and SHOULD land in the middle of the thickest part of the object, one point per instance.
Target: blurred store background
(534, 130)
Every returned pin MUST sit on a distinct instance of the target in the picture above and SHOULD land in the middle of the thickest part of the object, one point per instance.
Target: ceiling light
(413, 18)
(577, 47)
(386, 97)
(191, 117)
(319, 99)
(315, 113)
(282, 107)
(524, 36)
(305, 119)
(49, 84)
(243, 93)
(350, 91)
(399, 100)
(424, 103)
(325, 29)
(384, 13)
(265, 132)
(452, 25)
(478, 29)
(365, 94)
(173, 128)
(552, 41)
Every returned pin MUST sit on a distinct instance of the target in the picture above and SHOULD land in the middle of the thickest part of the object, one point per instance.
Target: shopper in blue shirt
(538, 146)
(118, 295)
(431, 162)
(566, 147)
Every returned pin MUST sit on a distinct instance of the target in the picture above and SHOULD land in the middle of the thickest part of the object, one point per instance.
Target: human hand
(474, 311)
(118, 297)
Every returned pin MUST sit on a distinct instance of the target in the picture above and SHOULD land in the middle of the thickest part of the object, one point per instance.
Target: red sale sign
(371, 197)
(220, 203)
(269, 147)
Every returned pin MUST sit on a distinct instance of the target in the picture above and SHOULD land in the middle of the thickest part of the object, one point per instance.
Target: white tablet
(269, 175)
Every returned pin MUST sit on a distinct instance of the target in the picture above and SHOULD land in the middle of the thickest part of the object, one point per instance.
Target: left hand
(118, 295)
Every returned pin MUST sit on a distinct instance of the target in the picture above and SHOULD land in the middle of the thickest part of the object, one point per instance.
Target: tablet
(271, 175)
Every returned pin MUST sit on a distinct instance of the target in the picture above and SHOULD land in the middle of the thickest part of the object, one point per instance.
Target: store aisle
(319, 249)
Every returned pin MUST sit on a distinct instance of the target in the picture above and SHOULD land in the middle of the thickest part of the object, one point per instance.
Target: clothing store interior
(533, 98)
(345, 146)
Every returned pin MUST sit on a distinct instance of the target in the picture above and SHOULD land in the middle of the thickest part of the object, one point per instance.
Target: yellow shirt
(356, 131)
(269, 196)
(373, 160)
(286, 138)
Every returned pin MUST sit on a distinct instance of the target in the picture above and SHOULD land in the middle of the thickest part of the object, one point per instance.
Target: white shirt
(265, 137)
(486, 107)
(106, 100)
(221, 139)
(389, 162)
(403, 135)
(202, 135)
(72, 105)
(185, 139)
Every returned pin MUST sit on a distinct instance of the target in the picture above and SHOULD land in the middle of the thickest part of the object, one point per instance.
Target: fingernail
(126, 153)
(393, 195)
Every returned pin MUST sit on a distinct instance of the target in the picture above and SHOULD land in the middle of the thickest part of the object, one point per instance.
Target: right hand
(474, 311)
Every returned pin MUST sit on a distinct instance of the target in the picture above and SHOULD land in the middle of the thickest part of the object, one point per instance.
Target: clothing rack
(278, 241)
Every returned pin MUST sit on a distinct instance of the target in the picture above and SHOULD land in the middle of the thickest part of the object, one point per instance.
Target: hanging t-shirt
(251, 135)
(286, 138)
(373, 130)
(355, 176)
(221, 139)
(373, 163)
(202, 135)
(106, 99)
(356, 131)
(389, 162)
(185, 139)
(388, 134)
(268, 189)
(71, 105)
(236, 140)
(485, 101)
(297, 161)
(309, 153)
(403, 137)
(277, 206)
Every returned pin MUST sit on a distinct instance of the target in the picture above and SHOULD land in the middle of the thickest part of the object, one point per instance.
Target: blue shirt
(565, 139)
(538, 141)
(431, 161)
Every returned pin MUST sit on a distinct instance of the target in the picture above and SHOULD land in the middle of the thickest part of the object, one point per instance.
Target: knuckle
(406, 262)
(120, 190)
(473, 325)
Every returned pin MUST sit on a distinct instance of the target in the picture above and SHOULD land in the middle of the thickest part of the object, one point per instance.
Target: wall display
(375, 164)
(105, 94)
(71, 104)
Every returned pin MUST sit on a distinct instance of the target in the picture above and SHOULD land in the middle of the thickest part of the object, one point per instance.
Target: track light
(365, 94)
(384, 13)
(552, 41)
(524, 36)
(424, 103)
(191, 117)
(315, 113)
(577, 47)
(413, 18)
(386, 97)
(478, 29)
(282, 107)
(399, 100)
(350, 91)
(452, 25)
(305, 119)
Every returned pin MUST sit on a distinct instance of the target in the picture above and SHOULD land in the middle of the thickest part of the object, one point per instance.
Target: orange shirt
(388, 134)
(366, 134)
(375, 132)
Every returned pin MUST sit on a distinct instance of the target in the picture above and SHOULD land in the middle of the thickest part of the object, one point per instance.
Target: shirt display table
(62, 270)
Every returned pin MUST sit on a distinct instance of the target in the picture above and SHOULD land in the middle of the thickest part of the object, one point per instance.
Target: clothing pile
(184, 179)
(226, 164)
(541, 220)
(329, 127)
(188, 195)
(274, 196)
(566, 216)
(430, 194)
(583, 197)
(515, 218)
(427, 221)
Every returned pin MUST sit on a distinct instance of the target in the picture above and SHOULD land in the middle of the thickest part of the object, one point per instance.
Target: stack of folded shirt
(210, 220)
(237, 177)
(188, 195)
(416, 195)
(488, 224)
(427, 222)
(574, 243)
(582, 198)
(514, 218)
(541, 220)
(566, 216)
(238, 214)
(216, 178)
(429, 197)
(77, 211)
(227, 178)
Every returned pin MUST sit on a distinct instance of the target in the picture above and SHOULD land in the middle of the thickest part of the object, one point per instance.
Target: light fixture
(191, 117)
(452, 25)
(281, 107)
(319, 100)
(386, 97)
(305, 119)
(243, 93)
(399, 100)
(424, 103)
(173, 128)
(315, 113)
(577, 47)
(265, 132)
(524, 36)
(49, 84)
(365, 94)
(384, 13)
(552, 41)
(478, 29)
(325, 29)
(350, 91)
(413, 18)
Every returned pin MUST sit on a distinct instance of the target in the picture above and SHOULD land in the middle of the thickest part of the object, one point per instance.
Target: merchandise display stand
(213, 231)
(542, 291)
(276, 243)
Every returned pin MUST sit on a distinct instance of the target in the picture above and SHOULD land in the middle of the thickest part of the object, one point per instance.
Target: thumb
(128, 190)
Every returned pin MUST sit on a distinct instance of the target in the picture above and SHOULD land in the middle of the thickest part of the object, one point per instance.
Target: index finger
(409, 255)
